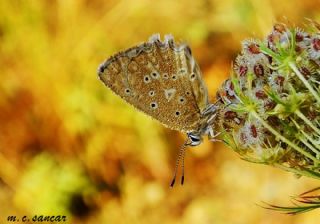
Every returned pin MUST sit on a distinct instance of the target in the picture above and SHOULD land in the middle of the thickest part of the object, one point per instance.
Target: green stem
(308, 122)
(310, 147)
(269, 52)
(305, 82)
(285, 140)
(307, 173)
(316, 144)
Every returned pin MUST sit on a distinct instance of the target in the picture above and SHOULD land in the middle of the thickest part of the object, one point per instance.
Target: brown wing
(161, 79)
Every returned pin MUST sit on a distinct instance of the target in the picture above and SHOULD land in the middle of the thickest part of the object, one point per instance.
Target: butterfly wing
(161, 79)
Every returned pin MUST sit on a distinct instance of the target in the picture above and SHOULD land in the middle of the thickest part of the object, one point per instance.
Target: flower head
(270, 107)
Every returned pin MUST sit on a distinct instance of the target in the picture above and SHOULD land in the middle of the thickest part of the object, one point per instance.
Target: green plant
(270, 107)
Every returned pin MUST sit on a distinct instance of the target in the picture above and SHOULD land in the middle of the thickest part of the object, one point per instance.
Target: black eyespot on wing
(155, 75)
(151, 93)
(147, 79)
(154, 105)
(181, 99)
(192, 76)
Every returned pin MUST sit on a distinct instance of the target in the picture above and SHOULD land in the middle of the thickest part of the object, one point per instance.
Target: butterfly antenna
(180, 156)
(183, 149)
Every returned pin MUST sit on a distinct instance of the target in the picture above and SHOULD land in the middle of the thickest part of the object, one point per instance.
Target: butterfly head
(194, 138)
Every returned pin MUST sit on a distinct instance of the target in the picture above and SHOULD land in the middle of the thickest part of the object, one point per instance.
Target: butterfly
(163, 80)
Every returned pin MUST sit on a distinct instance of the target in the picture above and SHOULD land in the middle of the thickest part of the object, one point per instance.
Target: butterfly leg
(209, 110)
(212, 136)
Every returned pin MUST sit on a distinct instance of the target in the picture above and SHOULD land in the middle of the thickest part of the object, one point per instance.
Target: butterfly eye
(165, 76)
(177, 113)
(195, 139)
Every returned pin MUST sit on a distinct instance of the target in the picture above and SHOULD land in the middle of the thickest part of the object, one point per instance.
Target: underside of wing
(161, 79)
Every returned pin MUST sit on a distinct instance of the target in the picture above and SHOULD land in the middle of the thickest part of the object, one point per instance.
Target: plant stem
(285, 140)
(308, 122)
(305, 82)
(310, 147)
(299, 172)
(315, 143)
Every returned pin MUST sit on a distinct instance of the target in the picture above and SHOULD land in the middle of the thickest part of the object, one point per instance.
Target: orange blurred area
(69, 146)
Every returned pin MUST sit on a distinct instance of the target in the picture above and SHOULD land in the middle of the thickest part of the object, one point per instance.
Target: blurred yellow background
(69, 146)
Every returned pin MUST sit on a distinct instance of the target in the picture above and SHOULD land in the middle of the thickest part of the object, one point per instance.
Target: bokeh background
(68, 146)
